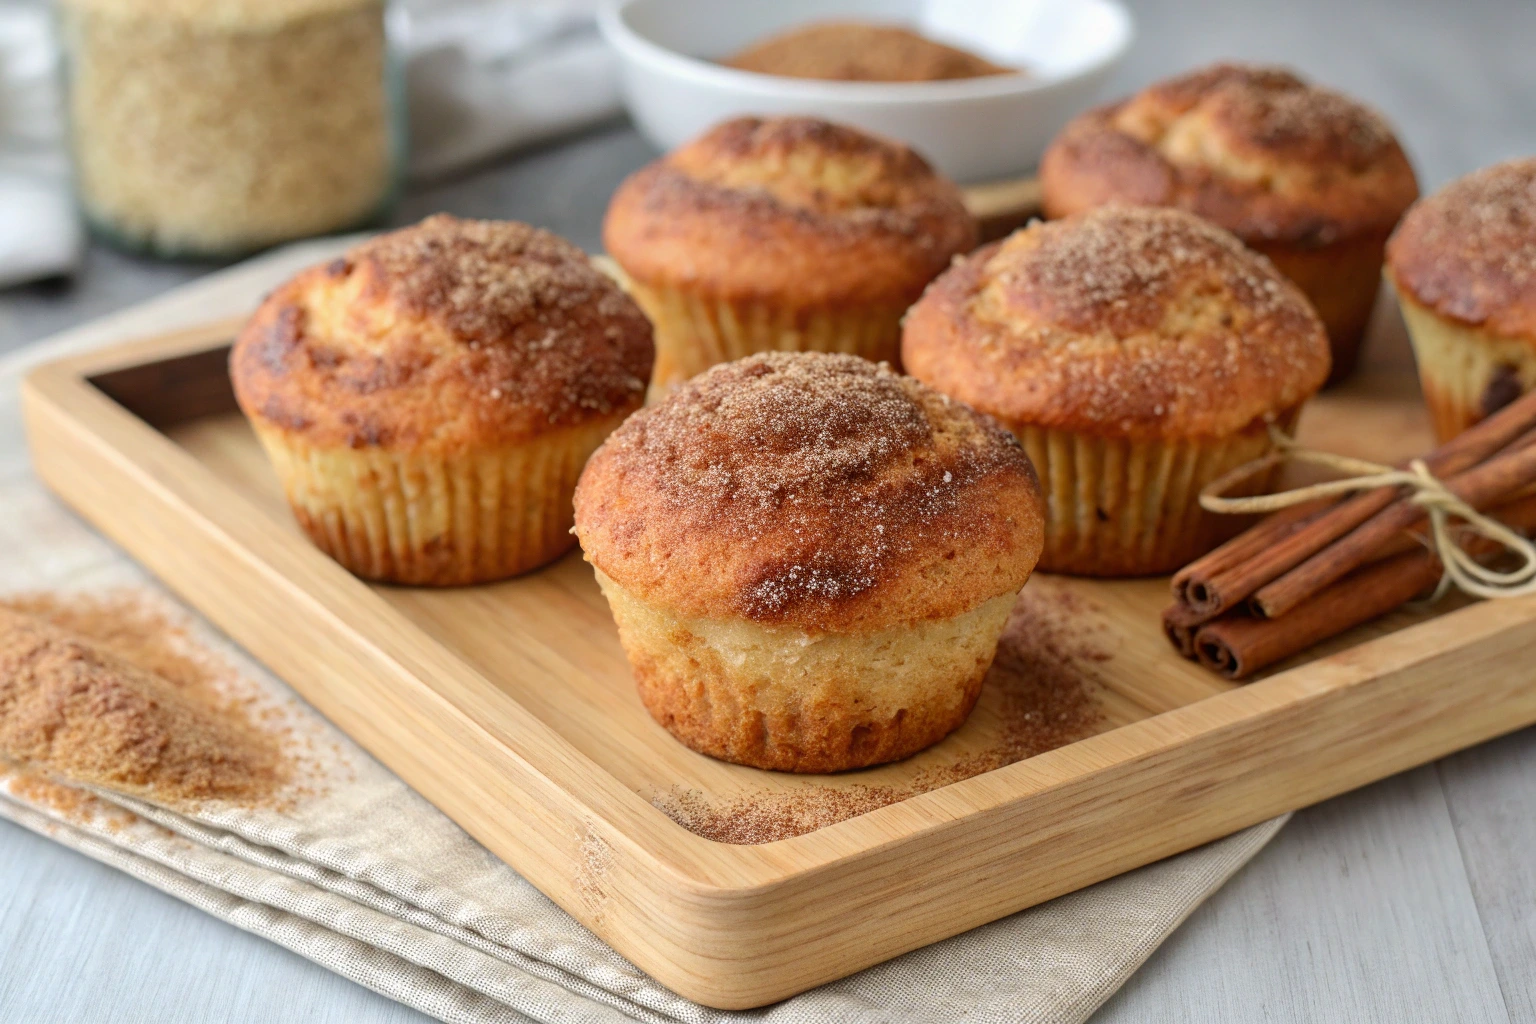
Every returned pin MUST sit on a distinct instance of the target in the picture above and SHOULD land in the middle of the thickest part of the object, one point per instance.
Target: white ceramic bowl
(978, 129)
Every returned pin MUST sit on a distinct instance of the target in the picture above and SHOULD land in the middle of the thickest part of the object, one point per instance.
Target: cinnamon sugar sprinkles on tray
(111, 693)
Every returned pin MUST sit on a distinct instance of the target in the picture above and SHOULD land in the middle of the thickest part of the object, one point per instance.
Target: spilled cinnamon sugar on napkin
(107, 692)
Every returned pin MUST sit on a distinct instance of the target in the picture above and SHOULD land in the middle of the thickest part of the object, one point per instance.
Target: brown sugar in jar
(212, 128)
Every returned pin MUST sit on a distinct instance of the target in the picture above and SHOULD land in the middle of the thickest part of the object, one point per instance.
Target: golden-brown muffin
(1310, 178)
(429, 399)
(782, 234)
(810, 558)
(1138, 354)
(1463, 263)
(858, 51)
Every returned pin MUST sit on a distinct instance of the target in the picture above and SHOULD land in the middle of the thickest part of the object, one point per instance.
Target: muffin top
(1123, 321)
(792, 209)
(823, 492)
(1256, 150)
(1468, 252)
(449, 333)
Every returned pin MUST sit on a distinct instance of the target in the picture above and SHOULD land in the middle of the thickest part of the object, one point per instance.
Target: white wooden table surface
(1410, 900)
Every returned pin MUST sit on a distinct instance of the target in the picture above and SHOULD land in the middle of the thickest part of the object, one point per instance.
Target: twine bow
(1461, 570)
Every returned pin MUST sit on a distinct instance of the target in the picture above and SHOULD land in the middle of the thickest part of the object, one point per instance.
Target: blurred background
(518, 115)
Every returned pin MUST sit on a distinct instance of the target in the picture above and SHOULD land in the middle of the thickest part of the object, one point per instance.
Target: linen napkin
(366, 878)
(482, 77)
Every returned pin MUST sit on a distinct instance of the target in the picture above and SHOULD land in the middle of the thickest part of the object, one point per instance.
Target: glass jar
(213, 128)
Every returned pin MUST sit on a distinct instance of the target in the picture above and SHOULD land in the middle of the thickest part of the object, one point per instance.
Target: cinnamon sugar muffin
(810, 558)
(1138, 354)
(429, 399)
(1309, 178)
(1463, 263)
(788, 233)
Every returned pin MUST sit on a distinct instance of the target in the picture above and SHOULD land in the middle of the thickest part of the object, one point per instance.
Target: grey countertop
(1413, 899)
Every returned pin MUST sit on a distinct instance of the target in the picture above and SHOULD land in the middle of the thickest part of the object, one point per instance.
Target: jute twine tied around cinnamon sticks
(1321, 564)
(1427, 491)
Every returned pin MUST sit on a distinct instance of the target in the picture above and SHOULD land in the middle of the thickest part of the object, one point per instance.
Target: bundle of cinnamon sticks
(1312, 571)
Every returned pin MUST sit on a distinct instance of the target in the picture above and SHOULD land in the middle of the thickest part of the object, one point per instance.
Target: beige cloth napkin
(371, 881)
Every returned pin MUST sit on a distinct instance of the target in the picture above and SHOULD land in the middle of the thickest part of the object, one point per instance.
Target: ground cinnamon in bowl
(858, 51)
(108, 693)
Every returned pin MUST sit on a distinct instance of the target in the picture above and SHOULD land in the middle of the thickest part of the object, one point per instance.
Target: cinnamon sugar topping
(1268, 108)
(451, 332)
(833, 464)
(1307, 122)
(810, 164)
(1469, 250)
(488, 279)
(1120, 268)
(857, 51)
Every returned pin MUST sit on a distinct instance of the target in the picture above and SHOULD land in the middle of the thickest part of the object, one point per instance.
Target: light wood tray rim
(734, 885)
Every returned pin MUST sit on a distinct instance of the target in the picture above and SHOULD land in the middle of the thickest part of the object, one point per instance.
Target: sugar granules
(109, 692)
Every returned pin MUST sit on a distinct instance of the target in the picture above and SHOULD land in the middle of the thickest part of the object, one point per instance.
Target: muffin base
(1466, 373)
(695, 332)
(425, 519)
(1117, 507)
(787, 700)
(1341, 280)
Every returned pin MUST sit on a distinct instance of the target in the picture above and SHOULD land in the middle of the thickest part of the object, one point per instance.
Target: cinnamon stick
(1483, 485)
(1194, 586)
(1239, 645)
(1282, 542)
(1180, 626)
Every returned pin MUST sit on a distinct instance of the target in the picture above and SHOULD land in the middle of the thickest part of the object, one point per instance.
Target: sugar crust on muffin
(818, 491)
(1138, 353)
(447, 333)
(1256, 150)
(1463, 263)
(798, 209)
(429, 399)
(1128, 320)
(1468, 251)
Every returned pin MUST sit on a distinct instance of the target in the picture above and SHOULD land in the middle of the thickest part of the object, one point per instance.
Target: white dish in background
(977, 129)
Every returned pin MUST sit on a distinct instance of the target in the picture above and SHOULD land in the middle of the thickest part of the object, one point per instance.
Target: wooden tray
(511, 708)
